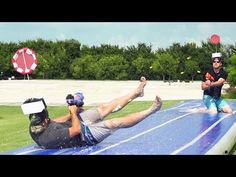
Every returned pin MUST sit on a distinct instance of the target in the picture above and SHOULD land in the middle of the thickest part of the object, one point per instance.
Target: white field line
(26, 152)
(140, 134)
(200, 135)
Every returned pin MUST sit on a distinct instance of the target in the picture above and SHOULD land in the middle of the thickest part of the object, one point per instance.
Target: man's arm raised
(75, 128)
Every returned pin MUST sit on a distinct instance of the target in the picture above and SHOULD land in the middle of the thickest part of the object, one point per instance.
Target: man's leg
(223, 106)
(210, 104)
(119, 103)
(134, 118)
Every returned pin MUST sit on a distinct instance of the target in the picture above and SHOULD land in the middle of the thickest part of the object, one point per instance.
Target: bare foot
(140, 89)
(156, 106)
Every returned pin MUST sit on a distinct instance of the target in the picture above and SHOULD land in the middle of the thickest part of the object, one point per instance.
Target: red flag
(215, 39)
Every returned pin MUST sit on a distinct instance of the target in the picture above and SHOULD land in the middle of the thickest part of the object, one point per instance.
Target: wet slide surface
(175, 130)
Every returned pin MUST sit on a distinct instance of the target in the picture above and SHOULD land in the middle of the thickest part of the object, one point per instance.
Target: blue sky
(158, 34)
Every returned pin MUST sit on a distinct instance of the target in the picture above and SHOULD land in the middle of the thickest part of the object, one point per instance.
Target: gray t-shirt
(56, 136)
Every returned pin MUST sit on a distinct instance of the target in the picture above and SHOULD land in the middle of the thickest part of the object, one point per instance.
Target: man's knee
(102, 109)
(105, 109)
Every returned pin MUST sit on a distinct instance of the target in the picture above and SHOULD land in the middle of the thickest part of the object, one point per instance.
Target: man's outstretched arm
(63, 118)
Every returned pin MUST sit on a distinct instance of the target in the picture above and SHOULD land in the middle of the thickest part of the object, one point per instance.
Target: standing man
(212, 83)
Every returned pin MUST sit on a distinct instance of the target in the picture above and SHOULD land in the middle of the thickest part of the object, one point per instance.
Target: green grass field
(14, 125)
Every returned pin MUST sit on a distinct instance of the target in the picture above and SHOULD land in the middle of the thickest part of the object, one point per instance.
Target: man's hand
(208, 83)
(73, 109)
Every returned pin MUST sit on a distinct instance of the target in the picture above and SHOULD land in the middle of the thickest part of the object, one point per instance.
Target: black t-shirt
(56, 136)
(216, 90)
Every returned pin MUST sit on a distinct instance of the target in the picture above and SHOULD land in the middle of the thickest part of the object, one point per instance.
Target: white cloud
(156, 45)
(123, 41)
(193, 40)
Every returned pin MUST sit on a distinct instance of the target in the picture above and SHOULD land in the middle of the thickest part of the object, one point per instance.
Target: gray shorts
(93, 120)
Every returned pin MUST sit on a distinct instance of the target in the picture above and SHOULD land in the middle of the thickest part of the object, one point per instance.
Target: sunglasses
(216, 61)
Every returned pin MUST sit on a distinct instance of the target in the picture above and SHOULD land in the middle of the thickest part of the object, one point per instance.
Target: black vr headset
(37, 110)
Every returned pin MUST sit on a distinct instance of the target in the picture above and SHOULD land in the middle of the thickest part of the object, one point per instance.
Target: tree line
(69, 59)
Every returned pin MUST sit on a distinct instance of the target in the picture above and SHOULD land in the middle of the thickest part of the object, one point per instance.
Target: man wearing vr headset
(212, 83)
(88, 127)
